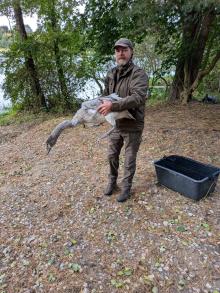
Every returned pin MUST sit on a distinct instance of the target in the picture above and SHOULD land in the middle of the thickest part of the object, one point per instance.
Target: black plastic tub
(186, 176)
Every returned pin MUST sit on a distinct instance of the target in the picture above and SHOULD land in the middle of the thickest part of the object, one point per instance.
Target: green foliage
(102, 25)
(147, 58)
(210, 84)
(181, 229)
(7, 117)
(54, 49)
(158, 95)
(70, 48)
(117, 284)
(75, 267)
(51, 278)
(5, 40)
(17, 85)
(176, 26)
(125, 272)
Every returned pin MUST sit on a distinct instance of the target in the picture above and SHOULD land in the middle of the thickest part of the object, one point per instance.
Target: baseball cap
(124, 43)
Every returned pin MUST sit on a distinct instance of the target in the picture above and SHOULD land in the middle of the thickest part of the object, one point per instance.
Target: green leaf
(75, 267)
(181, 229)
(128, 211)
(51, 278)
(51, 261)
(155, 290)
(117, 284)
(111, 236)
(174, 221)
(125, 272)
(119, 261)
(66, 251)
(73, 242)
(205, 225)
(128, 272)
(92, 210)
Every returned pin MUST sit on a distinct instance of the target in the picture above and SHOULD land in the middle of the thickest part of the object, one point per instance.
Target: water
(90, 91)
(3, 103)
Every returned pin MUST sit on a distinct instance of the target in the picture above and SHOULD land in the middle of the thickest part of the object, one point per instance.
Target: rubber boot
(111, 187)
(126, 193)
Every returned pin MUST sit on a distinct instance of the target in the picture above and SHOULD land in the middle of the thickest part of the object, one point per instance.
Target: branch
(206, 71)
(97, 82)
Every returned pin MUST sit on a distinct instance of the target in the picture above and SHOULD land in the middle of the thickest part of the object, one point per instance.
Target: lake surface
(3, 103)
(90, 91)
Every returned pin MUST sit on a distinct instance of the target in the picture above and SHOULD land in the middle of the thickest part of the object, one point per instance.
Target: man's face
(122, 55)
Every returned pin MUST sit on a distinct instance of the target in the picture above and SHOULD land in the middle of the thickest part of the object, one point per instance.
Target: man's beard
(122, 62)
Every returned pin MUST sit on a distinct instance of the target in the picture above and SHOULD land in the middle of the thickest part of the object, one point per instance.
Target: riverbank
(60, 234)
(14, 117)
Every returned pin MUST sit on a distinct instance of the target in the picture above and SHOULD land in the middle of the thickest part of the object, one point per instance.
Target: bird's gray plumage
(88, 114)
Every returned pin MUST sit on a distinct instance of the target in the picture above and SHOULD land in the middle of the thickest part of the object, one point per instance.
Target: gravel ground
(60, 234)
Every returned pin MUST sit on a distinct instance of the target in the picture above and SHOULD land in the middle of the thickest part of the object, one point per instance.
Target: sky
(30, 20)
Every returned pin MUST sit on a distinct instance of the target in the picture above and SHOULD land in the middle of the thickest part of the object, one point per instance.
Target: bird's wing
(91, 104)
(113, 98)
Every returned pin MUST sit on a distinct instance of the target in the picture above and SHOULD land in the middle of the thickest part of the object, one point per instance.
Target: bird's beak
(48, 148)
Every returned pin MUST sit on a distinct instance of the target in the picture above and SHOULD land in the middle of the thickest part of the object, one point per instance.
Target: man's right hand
(105, 107)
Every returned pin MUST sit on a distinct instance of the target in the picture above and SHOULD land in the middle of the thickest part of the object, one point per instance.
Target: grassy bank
(13, 116)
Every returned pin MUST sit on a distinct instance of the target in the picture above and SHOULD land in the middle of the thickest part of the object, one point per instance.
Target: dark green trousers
(131, 142)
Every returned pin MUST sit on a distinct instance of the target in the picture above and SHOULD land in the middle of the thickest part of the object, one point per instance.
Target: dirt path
(60, 234)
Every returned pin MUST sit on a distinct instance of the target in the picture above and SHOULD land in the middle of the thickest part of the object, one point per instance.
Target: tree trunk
(195, 35)
(61, 76)
(29, 62)
(177, 84)
(60, 71)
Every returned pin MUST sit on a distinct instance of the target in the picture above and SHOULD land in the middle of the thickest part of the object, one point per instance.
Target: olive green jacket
(130, 84)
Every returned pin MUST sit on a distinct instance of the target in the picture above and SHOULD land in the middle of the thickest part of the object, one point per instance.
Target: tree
(29, 62)
(49, 11)
(53, 49)
(59, 36)
(188, 34)
(196, 47)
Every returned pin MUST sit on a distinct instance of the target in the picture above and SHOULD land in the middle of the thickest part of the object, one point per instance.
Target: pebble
(165, 223)
(208, 285)
(62, 266)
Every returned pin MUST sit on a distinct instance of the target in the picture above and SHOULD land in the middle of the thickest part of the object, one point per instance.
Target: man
(129, 82)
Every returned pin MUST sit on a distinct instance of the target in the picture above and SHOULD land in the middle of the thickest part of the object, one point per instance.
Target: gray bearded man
(130, 82)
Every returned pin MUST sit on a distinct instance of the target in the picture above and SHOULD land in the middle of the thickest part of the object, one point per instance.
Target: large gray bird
(88, 114)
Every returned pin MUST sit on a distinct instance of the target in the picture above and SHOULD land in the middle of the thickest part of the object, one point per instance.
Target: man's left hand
(105, 107)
